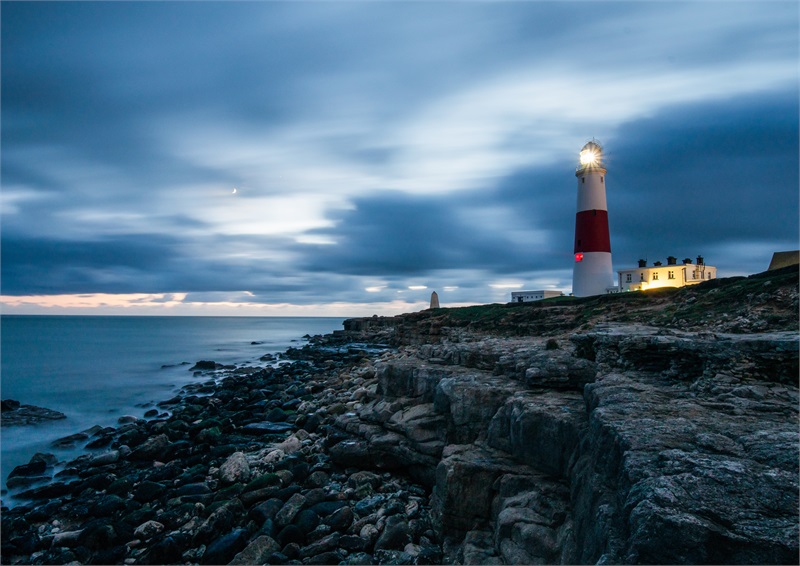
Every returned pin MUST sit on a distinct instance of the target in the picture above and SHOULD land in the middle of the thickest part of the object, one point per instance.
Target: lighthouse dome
(591, 156)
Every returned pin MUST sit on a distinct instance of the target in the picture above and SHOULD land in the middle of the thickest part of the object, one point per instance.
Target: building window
(641, 276)
(670, 275)
(655, 276)
(709, 275)
(601, 180)
(628, 278)
(583, 179)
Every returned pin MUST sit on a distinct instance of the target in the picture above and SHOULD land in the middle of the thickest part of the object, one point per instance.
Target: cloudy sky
(347, 158)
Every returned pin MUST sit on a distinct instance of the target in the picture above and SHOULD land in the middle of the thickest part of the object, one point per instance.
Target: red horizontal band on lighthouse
(591, 231)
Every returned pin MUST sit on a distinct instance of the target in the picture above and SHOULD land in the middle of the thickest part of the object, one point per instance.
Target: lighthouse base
(593, 275)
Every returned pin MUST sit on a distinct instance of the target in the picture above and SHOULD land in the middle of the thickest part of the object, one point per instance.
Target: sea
(96, 369)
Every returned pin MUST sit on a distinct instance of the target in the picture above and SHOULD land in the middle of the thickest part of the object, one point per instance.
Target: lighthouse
(592, 273)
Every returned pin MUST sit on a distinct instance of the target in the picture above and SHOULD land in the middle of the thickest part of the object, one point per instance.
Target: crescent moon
(234, 190)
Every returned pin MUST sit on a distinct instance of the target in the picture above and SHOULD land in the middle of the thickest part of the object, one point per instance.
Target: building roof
(784, 259)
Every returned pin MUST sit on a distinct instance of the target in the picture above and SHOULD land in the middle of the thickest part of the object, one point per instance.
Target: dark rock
(9, 405)
(14, 414)
(341, 519)
(263, 428)
(290, 509)
(290, 534)
(120, 486)
(26, 543)
(353, 543)
(324, 544)
(288, 491)
(265, 511)
(330, 557)
(359, 558)
(204, 365)
(98, 534)
(100, 442)
(167, 550)
(392, 557)
(55, 489)
(100, 481)
(275, 415)
(368, 505)
(277, 558)
(223, 549)
(256, 552)
(252, 497)
(262, 481)
(32, 469)
(395, 535)
(70, 441)
(312, 423)
(151, 449)
(50, 460)
(107, 506)
(114, 555)
(325, 508)
(148, 491)
(198, 488)
(306, 520)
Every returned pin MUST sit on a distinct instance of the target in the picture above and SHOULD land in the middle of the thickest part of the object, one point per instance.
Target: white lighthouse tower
(592, 273)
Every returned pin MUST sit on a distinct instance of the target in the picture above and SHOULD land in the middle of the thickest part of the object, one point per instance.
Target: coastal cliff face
(625, 442)
(637, 428)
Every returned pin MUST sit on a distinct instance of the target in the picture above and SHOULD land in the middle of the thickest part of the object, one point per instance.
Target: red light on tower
(578, 257)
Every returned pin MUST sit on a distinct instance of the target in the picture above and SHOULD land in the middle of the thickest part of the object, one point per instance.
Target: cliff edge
(655, 427)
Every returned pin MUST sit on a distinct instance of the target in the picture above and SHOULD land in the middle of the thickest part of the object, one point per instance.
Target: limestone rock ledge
(623, 444)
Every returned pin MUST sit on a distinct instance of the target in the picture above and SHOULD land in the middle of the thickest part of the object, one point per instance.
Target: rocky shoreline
(233, 470)
(645, 428)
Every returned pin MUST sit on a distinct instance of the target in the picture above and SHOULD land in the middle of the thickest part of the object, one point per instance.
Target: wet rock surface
(619, 442)
(14, 413)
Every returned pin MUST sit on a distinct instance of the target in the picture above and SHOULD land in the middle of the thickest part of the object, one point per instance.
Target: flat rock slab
(14, 414)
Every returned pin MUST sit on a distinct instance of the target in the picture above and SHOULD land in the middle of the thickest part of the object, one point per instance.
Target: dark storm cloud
(396, 234)
(694, 179)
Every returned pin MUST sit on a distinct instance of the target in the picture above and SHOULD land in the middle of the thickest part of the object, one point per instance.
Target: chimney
(699, 260)
(656, 264)
(687, 260)
(671, 260)
(642, 263)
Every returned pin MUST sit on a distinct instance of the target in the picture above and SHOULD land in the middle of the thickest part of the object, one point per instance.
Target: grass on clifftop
(758, 303)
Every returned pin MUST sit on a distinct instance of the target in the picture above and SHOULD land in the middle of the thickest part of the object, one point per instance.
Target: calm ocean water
(98, 368)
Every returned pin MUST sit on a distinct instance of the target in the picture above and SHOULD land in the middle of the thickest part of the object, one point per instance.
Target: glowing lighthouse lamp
(593, 273)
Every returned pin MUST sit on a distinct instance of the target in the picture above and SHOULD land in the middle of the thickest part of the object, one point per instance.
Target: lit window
(670, 275)
(655, 276)
(578, 257)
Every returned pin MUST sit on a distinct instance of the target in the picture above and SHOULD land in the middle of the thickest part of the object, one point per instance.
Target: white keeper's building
(528, 296)
(671, 275)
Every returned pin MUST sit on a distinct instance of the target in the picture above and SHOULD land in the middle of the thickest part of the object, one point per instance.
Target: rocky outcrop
(623, 444)
(16, 414)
